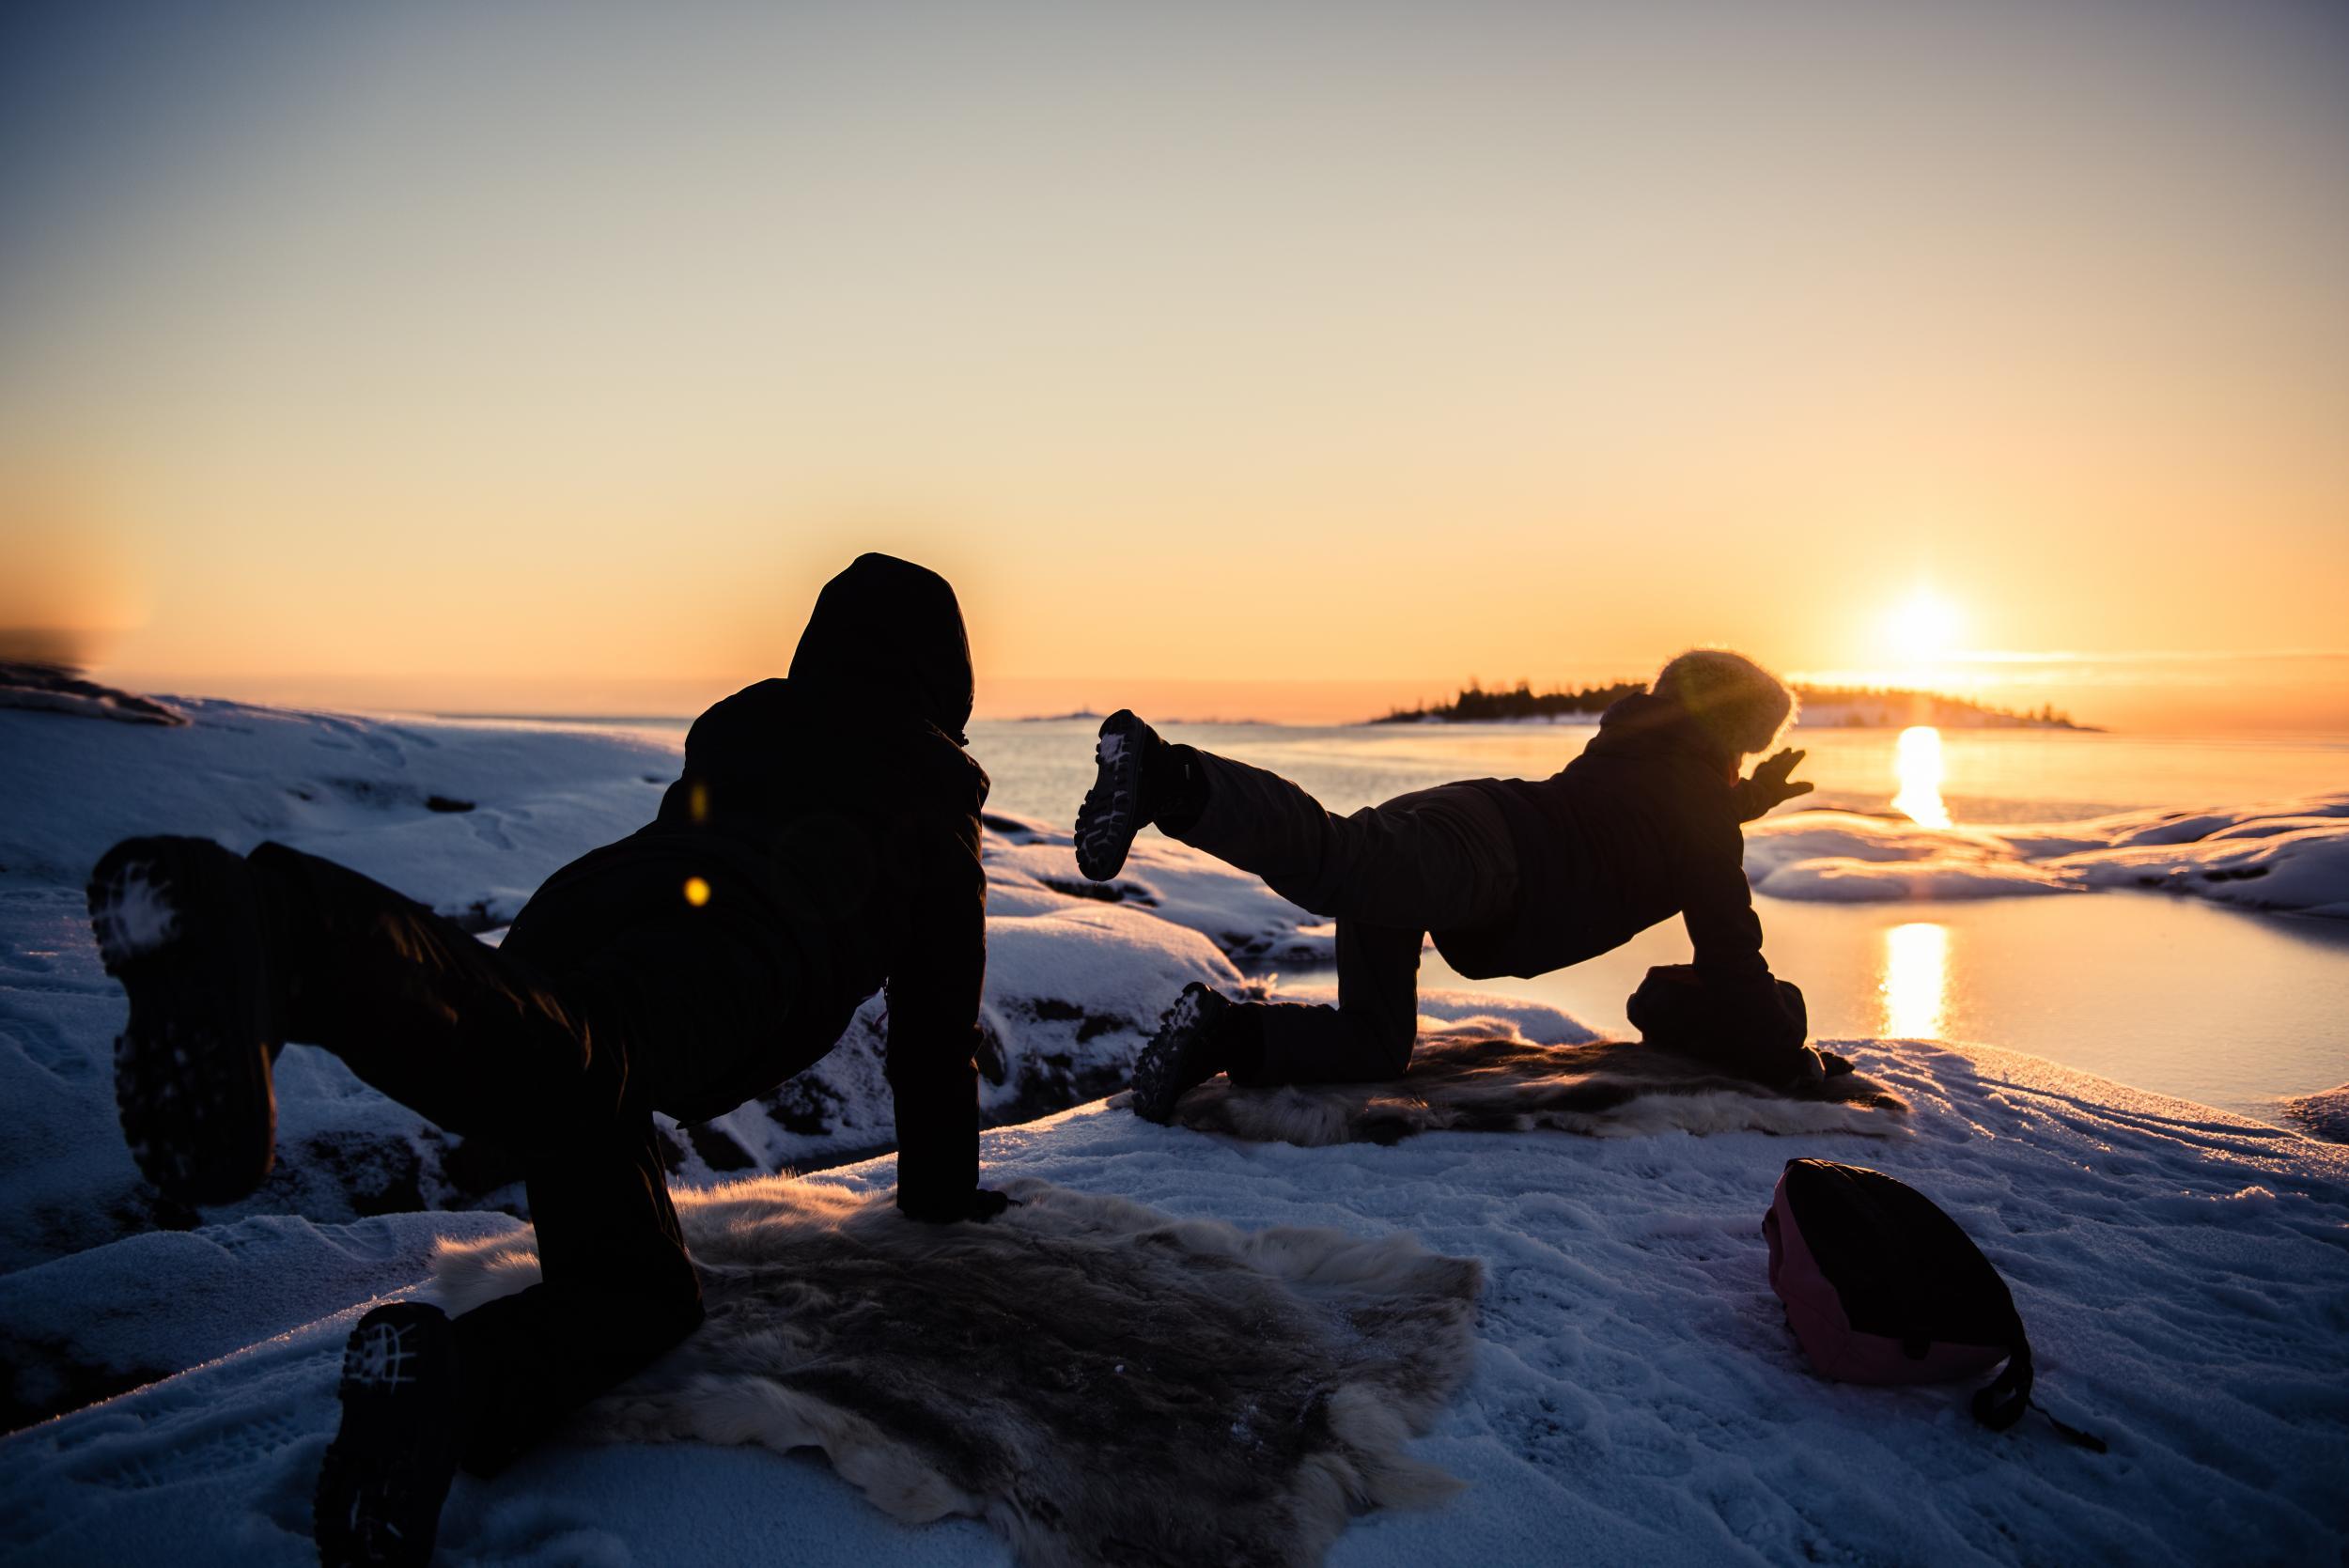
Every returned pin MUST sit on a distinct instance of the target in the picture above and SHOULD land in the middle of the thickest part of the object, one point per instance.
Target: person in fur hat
(1511, 876)
(822, 842)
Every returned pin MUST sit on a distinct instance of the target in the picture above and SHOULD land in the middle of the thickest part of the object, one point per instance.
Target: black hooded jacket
(1642, 826)
(834, 816)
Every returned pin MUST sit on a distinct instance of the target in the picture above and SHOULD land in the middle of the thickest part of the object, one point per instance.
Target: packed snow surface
(2292, 857)
(1638, 1397)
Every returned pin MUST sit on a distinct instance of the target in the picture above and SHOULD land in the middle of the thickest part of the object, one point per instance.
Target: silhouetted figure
(1511, 876)
(824, 839)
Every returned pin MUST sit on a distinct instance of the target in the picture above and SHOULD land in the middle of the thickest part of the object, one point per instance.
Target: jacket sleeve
(1742, 994)
(1747, 803)
(936, 974)
(1717, 908)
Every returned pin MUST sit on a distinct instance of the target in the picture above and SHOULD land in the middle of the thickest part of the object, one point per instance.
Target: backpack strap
(2001, 1404)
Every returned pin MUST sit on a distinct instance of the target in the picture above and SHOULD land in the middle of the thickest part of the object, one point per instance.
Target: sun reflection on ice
(1917, 763)
(1916, 982)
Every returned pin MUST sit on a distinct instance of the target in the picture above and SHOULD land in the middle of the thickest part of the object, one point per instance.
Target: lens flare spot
(696, 891)
(1917, 761)
(1916, 982)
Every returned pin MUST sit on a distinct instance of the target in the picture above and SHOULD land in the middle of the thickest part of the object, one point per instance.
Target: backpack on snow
(1881, 1286)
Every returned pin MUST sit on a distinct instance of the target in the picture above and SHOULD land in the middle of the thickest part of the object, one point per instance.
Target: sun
(1921, 626)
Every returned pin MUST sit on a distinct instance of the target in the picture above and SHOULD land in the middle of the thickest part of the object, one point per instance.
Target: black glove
(980, 1204)
(1769, 785)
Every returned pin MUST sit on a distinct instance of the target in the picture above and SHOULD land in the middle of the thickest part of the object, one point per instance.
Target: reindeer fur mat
(1479, 1074)
(1103, 1382)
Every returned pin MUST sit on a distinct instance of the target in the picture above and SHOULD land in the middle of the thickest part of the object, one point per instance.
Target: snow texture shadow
(1103, 1382)
(1480, 1076)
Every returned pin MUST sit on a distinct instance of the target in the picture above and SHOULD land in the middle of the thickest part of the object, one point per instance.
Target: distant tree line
(1899, 705)
(1475, 702)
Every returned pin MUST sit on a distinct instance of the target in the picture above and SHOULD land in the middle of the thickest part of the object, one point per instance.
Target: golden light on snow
(1917, 761)
(696, 891)
(1916, 982)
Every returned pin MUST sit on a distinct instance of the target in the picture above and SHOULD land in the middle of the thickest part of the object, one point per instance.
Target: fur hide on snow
(1479, 1075)
(1105, 1383)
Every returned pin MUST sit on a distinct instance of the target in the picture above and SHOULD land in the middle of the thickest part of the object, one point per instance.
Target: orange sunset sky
(1285, 360)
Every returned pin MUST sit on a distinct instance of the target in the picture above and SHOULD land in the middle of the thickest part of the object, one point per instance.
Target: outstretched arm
(1717, 908)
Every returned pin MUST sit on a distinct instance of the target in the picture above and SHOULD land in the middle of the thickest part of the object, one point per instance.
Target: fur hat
(1739, 703)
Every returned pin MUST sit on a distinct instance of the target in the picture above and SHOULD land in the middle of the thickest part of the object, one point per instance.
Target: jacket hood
(1646, 724)
(887, 636)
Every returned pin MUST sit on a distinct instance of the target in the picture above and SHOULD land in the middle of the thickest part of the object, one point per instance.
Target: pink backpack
(1881, 1286)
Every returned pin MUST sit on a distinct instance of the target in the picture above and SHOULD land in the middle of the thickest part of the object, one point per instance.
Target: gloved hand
(1769, 785)
(980, 1204)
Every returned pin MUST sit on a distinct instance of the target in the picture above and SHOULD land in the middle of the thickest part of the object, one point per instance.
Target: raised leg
(562, 1071)
(1432, 859)
(476, 1040)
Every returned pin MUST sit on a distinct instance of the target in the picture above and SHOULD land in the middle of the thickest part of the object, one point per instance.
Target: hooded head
(886, 636)
(1741, 707)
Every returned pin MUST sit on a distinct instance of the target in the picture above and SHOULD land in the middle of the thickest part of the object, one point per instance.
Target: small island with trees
(1822, 707)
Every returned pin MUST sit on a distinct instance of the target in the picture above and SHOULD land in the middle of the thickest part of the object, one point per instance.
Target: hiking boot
(1115, 808)
(388, 1470)
(178, 922)
(1187, 1051)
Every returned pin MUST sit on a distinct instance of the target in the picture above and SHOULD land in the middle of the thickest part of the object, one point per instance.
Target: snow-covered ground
(470, 818)
(2290, 856)
(1638, 1397)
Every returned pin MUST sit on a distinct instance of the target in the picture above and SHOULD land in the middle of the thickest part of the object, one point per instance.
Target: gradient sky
(547, 357)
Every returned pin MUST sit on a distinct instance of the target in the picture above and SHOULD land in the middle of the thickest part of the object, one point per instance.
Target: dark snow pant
(559, 1067)
(1434, 860)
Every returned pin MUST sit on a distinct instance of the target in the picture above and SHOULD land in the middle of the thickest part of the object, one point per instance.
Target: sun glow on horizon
(1534, 342)
(1922, 628)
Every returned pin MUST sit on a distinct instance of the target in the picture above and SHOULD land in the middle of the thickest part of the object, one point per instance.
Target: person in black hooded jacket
(822, 842)
(1511, 876)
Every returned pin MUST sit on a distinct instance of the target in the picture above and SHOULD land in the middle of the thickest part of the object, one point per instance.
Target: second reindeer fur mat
(1103, 1382)
(1479, 1075)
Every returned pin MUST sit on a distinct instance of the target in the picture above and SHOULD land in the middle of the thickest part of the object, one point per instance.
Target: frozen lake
(2232, 1009)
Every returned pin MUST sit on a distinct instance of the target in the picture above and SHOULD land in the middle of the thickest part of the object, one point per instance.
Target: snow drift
(2291, 857)
(470, 818)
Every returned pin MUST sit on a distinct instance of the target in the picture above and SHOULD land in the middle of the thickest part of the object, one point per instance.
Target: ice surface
(2291, 857)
